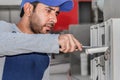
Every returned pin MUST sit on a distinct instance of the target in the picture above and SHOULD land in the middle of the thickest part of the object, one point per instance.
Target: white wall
(111, 9)
(10, 2)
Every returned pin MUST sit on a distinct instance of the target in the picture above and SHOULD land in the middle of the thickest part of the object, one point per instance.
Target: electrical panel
(103, 53)
(105, 65)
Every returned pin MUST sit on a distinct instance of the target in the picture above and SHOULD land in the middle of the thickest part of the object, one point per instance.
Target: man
(25, 46)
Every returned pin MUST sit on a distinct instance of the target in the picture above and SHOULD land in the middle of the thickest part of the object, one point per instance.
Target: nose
(53, 18)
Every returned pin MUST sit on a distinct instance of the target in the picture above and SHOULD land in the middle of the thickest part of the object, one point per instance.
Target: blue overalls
(25, 67)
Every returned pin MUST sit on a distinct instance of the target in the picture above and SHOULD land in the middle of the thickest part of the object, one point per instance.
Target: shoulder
(5, 26)
(3, 23)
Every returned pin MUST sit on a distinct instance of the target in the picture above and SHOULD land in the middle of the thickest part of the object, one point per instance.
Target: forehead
(41, 5)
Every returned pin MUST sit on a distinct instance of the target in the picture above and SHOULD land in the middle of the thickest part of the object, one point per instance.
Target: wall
(67, 18)
(10, 2)
(10, 14)
(111, 9)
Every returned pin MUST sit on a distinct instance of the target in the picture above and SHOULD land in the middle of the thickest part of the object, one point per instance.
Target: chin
(47, 33)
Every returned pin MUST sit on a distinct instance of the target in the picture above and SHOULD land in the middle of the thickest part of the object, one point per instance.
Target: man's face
(43, 18)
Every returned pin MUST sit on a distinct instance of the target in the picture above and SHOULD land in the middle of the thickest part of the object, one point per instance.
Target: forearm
(19, 43)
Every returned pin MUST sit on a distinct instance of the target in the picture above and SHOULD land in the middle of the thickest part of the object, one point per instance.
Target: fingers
(72, 42)
(69, 43)
(78, 45)
(64, 43)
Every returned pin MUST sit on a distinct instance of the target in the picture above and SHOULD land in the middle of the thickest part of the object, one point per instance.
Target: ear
(28, 9)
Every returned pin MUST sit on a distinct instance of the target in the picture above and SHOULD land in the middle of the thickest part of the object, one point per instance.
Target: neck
(24, 25)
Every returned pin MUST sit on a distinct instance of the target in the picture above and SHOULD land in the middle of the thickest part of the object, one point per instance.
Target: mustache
(50, 24)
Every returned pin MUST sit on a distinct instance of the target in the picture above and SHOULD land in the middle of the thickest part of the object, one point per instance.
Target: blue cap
(65, 5)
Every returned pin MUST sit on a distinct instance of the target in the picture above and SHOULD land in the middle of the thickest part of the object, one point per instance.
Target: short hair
(34, 6)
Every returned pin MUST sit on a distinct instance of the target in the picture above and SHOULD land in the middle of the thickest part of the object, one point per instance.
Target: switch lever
(95, 49)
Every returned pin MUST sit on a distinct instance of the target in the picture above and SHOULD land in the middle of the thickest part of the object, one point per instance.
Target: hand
(68, 43)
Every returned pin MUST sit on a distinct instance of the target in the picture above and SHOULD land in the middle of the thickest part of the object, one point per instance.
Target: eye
(48, 10)
(57, 13)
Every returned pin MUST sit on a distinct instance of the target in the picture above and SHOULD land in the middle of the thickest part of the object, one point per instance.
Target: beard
(37, 29)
